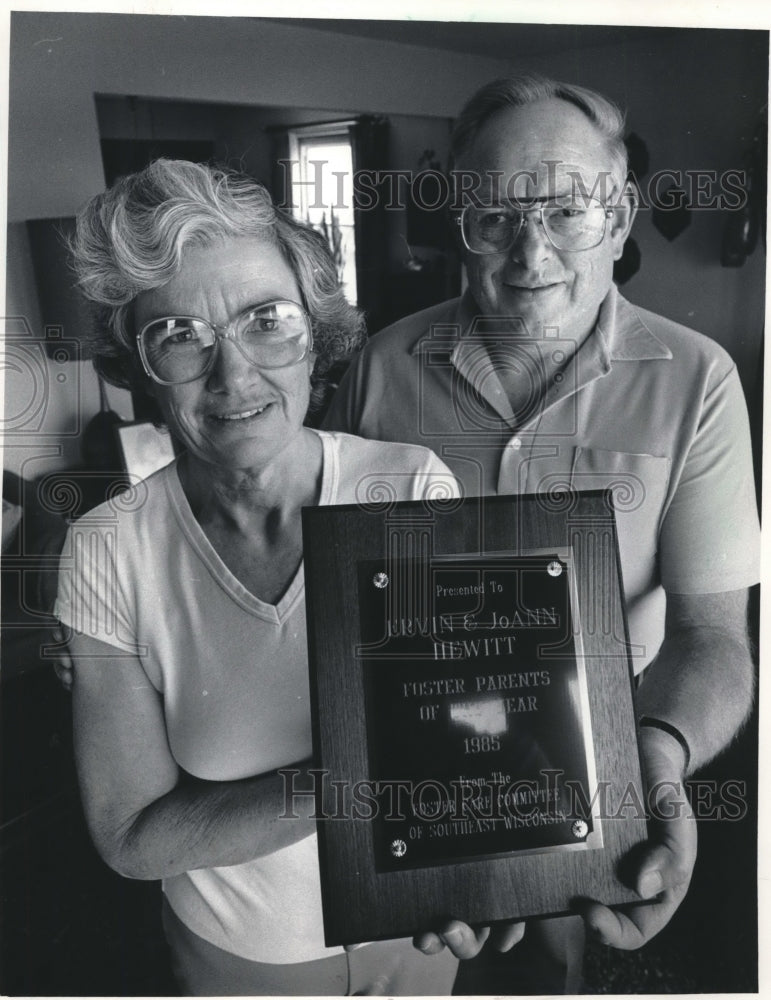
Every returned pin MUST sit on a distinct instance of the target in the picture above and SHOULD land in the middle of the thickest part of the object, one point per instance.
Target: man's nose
(230, 368)
(532, 244)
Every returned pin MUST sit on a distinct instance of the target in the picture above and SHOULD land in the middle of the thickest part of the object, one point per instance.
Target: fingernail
(650, 884)
(454, 936)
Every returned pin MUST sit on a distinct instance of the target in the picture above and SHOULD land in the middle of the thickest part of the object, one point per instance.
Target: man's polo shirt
(645, 406)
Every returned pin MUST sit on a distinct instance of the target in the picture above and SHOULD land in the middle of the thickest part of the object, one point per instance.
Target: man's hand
(465, 942)
(664, 866)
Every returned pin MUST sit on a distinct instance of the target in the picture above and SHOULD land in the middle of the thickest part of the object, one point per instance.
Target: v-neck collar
(275, 613)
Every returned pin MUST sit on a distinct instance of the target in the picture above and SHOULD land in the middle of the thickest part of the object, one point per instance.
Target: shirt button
(515, 443)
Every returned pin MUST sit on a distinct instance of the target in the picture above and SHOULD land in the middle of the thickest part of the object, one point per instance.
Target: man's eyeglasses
(569, 225)
(178, 349)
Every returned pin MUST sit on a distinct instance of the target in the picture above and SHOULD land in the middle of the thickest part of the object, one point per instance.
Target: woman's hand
(466, 942)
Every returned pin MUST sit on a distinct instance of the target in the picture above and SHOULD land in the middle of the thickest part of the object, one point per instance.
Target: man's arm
(701, 684)
(702, 681)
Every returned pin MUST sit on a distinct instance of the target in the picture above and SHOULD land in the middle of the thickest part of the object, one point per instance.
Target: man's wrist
(668, 739)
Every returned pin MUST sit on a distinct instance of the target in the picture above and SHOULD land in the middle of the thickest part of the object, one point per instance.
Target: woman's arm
(147, 818)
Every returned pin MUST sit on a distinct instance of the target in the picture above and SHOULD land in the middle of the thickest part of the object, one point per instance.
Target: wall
(238, 132)
(60, 61)
(692, 96)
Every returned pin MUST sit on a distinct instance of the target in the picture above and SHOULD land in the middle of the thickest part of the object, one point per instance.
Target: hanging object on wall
(670, 214)
(412, 262)
(740, 237)
(743, 226)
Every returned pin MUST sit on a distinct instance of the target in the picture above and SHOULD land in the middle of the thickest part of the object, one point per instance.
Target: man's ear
(624, 213)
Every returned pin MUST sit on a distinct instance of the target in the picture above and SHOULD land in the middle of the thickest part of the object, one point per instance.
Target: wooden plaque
(473, 719)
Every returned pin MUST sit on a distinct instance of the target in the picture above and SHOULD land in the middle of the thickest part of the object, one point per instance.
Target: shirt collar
(624, 333)
(445, 325)
(620, 333)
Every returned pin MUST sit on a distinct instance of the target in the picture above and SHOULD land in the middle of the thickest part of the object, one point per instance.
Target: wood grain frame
(362, 904)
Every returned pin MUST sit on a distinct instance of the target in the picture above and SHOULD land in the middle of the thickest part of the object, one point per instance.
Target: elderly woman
(186, 606)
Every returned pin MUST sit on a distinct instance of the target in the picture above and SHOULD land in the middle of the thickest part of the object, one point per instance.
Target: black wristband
(666, 727)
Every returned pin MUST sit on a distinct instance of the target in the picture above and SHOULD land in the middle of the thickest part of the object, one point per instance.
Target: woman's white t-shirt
(140, 574)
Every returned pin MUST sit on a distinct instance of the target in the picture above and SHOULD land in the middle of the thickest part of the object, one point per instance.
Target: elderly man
(541, 374)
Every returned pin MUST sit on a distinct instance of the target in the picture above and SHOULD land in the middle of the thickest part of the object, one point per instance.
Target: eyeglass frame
(544, 203)
(224, 332)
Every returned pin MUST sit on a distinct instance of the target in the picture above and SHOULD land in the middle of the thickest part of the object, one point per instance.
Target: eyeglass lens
(179, 348)
(569, 227)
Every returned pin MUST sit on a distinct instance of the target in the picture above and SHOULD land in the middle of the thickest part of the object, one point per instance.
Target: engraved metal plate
(479, 736)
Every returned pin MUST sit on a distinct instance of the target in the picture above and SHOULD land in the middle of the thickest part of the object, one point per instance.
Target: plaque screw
(398, 848)
(554, 568)
(579, 829)
(380, 580)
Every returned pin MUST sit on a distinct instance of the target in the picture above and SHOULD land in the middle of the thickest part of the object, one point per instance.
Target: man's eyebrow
(527, 202)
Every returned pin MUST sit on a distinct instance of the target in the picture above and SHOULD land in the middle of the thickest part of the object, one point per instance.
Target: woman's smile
(241, 415)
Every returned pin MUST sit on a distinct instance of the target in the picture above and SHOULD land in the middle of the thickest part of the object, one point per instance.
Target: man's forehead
(537, 150)
(549, 179)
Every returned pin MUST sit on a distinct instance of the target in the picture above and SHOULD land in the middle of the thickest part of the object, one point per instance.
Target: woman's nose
(230, 369)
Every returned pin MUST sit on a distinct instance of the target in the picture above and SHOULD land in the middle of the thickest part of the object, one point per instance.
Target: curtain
(369, 141)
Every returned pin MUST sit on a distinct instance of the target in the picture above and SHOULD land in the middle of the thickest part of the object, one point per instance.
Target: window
(322, 191)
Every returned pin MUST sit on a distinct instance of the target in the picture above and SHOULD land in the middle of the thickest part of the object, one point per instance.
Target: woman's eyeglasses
(178, 349)
(568, 225)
